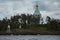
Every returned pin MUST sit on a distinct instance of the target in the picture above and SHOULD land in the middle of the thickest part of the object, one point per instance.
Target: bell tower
(37, 14)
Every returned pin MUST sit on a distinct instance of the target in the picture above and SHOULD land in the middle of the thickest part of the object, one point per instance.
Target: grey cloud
(2, 1)
(50, 6)
(41, 5)
(57, 14)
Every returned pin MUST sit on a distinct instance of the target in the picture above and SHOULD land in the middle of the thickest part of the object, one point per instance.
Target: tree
(14, 22)
(48, 19)
(29, 19)
(52, 24)
(4, 24)
(23, 17)
(42, 21)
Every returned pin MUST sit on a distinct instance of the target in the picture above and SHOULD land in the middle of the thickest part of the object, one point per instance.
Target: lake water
(29, 37)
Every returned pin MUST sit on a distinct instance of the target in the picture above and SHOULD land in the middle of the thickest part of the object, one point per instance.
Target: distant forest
(27, 21)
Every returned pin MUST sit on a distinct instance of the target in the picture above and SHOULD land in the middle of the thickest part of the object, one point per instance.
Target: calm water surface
(29, 37)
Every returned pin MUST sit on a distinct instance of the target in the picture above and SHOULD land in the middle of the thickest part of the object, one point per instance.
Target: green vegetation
(30, 24)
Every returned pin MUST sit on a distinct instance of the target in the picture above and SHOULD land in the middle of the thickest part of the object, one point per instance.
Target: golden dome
(36, 4)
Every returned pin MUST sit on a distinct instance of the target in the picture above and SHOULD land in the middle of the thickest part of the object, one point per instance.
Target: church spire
(37, 15)
(37, 12)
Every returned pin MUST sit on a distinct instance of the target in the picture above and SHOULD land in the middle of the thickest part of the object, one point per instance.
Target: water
(29, 37)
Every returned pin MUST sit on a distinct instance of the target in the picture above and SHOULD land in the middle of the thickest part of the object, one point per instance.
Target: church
(37, 15)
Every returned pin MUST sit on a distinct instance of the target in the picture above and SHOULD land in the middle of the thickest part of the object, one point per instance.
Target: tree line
(53, 24)
(26, 21)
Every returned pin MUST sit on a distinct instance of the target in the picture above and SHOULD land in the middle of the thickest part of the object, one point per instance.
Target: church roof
(37, 12)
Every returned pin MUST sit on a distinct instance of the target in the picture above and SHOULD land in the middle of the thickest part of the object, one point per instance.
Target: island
(30, 24)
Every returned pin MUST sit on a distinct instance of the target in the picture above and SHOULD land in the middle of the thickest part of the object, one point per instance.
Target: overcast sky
(9, 8)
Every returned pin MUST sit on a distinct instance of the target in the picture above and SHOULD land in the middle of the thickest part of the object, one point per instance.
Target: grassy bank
(31, 31)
